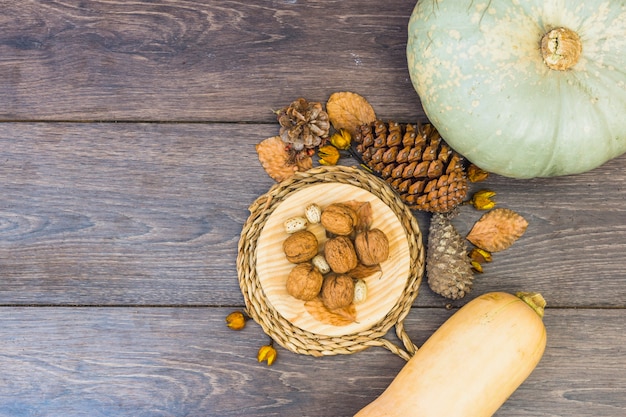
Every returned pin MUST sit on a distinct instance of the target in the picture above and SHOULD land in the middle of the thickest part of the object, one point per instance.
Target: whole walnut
(300, 247)
(340, 254)
(339, 219)
(304, 282)
(337, 291)
(372, 247)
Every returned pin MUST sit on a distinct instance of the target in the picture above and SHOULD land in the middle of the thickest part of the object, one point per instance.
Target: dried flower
(475, 174)
(329, 155)
(236, 320)
(480, 255)
(267, 353)
(341, 139)
(477, 267)
(481, 200)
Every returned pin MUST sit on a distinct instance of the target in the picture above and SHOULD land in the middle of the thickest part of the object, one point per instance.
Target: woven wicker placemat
(282, 330)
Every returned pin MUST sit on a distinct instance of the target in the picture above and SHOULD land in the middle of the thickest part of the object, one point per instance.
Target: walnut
(337, 291)
(372, 247)
(300, 247)
(339, 219)
(340, 254)
(304, 282)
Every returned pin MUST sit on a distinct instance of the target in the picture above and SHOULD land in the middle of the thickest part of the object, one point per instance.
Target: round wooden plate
(263, 269)
(384, 288)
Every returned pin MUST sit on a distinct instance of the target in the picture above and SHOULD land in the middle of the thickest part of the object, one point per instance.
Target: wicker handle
(405, 353)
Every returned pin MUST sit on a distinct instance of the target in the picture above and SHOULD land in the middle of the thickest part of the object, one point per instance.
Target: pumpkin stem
(561, 48)
(534, 300)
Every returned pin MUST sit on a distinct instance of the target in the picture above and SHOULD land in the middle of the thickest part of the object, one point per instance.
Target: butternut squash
(472, 363)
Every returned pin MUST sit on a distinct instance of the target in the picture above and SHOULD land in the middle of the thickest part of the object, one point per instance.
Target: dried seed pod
(304, 282)
(337, 291)
(372, 247)
(300, 247)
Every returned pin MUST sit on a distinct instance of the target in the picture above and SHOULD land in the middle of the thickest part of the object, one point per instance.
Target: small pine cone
(448, 265)
(303, 124)
(416, 162)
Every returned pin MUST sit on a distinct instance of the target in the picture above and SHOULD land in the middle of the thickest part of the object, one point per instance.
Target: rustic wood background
(127, 133)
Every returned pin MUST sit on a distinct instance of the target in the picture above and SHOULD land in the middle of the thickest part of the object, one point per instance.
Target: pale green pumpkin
(511, 106)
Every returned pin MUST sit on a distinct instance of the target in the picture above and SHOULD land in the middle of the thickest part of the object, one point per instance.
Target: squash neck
(561, 48)
(534, 301)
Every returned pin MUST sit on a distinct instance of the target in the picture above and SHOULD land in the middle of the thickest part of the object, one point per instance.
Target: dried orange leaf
(361, 271)
(338, 317)
(475, 174)
(497, 230)
(276, 159)
(363, 209)
(348, 111)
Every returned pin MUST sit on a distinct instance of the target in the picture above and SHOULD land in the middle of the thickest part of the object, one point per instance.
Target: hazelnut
(304, 282)
(339, 219)
(340, 254)
(300, 246)
(337, 291)
(372, 247)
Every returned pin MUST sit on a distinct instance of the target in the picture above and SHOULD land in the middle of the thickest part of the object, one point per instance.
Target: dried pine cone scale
(416, 162)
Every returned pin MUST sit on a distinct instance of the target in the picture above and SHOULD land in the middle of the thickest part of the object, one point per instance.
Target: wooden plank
(150, 214)
(184, 361)
(199, 60)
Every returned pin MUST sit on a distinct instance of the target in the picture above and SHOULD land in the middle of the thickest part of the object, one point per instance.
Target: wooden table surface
(127, 138)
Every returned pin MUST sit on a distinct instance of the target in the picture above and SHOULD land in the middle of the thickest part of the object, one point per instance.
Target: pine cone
(416, 162)
(303, 124)
(448, 266)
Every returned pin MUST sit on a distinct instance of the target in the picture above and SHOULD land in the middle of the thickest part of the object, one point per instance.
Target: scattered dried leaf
(276, 159)
(362, 272)
(348, 111)
(475, 174)
(338, 317)
(497, 230)
(363, 209)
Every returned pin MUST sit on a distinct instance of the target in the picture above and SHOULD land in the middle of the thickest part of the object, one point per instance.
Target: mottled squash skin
(479, 70)
(470, 365)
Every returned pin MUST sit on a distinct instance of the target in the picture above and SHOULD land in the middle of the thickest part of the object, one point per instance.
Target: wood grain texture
(185, 362)
(118, 241)
(198, 60)
(150, 214)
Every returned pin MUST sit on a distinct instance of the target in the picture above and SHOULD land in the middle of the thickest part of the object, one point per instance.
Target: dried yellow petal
(481, 200)
(236, 320)
(341, 139)
(497, 230)
(328, 154)
(475, 174)
(477, 267)
(267, 353)
(348, 111)
(480, 255)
